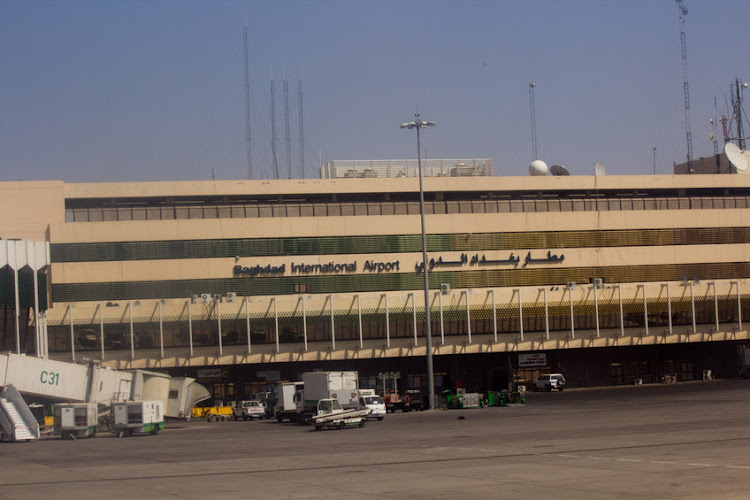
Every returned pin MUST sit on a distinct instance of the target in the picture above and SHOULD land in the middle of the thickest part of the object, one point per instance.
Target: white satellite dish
(735, 156)
(558, 170)
(599, 168)
(538, 167)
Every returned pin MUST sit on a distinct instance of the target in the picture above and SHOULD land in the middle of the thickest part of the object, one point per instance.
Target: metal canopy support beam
(333, 326)
(596, 310)
(218, 318)
(387, 323)
(359, 320)
(37, 317)
(692, 303)
(247, 325)
(645, 307)
(190, 327)
(414, 316)
(101, 330)
(546, 313)
(468, 316)
(739, 304)
(161, 331)
(304, 322)
(716, 306)
(132, 336)
(669, 307)
(18, 313)
(572, 319)
(494, 316)
(276, 323)
(520, 312)
(442, 326)
(72, 332)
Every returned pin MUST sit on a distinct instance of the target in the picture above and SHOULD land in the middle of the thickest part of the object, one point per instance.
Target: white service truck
(341, 386)
(289, 401)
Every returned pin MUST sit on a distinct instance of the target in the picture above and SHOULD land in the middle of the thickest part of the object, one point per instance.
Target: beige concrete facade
(44, 211)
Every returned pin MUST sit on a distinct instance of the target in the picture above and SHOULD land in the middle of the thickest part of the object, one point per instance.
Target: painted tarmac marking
(627, 460)
(660, 462)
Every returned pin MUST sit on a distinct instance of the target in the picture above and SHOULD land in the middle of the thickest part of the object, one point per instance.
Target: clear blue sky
(141, 90)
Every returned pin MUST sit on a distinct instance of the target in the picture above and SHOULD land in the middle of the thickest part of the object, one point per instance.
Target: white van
(368, 399)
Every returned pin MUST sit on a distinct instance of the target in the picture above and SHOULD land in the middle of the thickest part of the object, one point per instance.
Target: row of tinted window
(333, 209)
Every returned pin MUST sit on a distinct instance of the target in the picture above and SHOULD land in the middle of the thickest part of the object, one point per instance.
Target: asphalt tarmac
(685, 440)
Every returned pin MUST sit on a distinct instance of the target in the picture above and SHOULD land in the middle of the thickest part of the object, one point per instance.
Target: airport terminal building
(608, 279)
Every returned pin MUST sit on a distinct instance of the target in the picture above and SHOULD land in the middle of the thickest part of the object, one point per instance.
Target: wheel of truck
(342, 425)
(548, 388)
(318, 427)
(362, 423)
(380, 418)
(561, 388)
(279, 419)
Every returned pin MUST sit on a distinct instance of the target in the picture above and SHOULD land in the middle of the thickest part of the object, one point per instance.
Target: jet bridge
(91, 383)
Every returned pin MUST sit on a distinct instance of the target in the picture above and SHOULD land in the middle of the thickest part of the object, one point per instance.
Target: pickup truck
(248, 410)
(394, 401)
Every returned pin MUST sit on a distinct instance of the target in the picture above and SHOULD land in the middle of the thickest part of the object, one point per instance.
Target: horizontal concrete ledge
(374, 349)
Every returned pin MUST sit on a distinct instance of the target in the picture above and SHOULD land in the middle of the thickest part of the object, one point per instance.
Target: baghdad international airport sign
(379, 267)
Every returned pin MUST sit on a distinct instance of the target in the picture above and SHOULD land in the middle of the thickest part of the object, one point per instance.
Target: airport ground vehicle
(395, 401)
(341, 386)
(289, 397)
(376, 405)
(416, 400)
(249, 410)
(331, 415)
(74, 420)
(132, 417)
(550, 381)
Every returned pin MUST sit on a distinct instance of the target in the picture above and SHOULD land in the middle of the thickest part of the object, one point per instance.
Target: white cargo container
(74, 420)
(343, 386)
(289, 399)
(138, 416)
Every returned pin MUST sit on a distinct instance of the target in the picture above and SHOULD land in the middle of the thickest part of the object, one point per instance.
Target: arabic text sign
(527, 360)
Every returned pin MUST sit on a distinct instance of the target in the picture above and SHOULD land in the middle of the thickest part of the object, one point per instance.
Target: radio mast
(685, 87)
(532, 106)
(247, 109)
(286, 126)
(301, 130)
(273, 127)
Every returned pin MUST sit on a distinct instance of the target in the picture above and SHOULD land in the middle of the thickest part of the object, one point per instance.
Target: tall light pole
(419, 124)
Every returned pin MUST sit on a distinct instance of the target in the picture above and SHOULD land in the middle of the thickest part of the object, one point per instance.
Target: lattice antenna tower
(739, 87)
(532, 106)
(682, 10)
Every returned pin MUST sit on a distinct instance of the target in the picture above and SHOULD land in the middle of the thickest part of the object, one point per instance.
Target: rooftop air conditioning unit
(445, 288)
(597, 282)
(571, 285)
(230, 297)
(205, 298)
